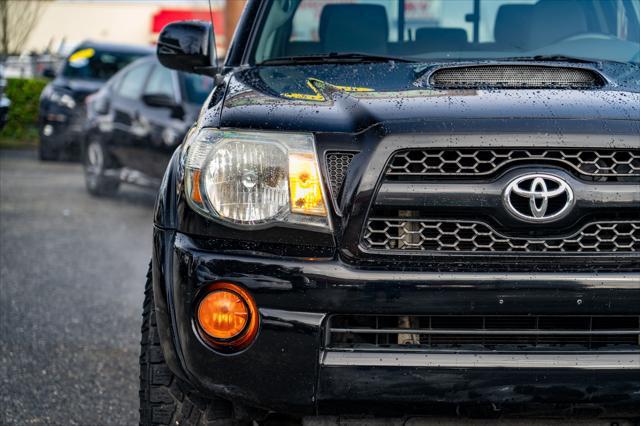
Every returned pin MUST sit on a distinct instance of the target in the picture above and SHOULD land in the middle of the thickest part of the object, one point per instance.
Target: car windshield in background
(197, 88)
(446, 30)
(90, 63)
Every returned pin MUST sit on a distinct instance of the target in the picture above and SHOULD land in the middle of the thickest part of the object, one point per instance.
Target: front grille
(470, 236)
(515, 76)
(337, 165)
(602, 164)
(484, 332)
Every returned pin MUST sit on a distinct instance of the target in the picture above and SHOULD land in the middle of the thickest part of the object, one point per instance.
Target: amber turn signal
(305, 185)
(227, 316)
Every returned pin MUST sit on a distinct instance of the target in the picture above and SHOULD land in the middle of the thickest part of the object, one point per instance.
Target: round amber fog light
(223, 314)
(227, 316)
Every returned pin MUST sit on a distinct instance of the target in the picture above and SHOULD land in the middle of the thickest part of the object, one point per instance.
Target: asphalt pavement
(72, 272)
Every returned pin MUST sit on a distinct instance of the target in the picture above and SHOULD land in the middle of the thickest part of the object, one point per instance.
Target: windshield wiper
(553, 58)
(333, 57)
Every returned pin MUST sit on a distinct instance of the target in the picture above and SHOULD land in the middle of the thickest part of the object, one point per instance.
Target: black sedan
(136, 121)
(61, 116)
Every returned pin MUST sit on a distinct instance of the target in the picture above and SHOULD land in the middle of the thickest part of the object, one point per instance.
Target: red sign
(166, 16)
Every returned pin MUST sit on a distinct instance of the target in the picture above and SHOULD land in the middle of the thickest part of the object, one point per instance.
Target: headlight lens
(63, 99)
(254, 178)
(245, 181)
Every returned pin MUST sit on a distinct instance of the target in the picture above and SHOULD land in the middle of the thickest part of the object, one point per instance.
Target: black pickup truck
(400, 209)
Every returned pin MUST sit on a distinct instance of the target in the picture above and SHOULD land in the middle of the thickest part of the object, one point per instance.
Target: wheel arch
(162, 280)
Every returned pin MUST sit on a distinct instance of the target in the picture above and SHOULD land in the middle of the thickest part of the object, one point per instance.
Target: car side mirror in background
(188, 46)
(160, 100)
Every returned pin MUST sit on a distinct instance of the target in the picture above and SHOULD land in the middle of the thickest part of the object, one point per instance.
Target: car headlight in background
(63, 99)
(254, 178)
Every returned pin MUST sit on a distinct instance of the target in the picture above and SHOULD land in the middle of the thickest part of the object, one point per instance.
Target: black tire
(164, 398)
(96, 163)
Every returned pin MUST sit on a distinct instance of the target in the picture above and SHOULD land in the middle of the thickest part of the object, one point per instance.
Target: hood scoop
(518, 76)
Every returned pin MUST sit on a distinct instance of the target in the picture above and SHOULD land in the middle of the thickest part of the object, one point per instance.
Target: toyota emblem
(538, 197)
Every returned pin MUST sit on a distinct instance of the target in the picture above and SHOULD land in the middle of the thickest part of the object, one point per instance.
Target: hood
(80, 87)
(352, 98)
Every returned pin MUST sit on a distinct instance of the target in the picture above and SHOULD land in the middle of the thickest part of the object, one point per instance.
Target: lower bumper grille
(469, 236)
(479, 333)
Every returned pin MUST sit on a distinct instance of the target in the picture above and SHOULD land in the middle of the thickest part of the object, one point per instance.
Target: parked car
(136, 121)
(5, 102)
(62, 115)
(367, 221)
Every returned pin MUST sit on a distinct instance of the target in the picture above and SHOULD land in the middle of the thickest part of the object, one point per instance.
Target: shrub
(23, 113)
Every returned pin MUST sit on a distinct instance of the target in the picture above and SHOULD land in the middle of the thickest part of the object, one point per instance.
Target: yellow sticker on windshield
(82, 55)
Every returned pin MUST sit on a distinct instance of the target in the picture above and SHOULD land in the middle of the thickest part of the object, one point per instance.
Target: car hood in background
(80, 87)
(351, 98)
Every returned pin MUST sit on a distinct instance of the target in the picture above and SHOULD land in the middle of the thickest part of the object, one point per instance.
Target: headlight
(63, 99)
(254, 178)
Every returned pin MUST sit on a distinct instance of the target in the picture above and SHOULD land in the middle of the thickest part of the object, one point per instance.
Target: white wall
(109, 21)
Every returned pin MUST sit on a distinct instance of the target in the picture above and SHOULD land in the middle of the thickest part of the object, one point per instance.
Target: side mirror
(188, 46)
(159, 100)
(49, 73)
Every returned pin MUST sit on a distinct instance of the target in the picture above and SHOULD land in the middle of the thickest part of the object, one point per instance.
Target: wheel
(164, 398)
(96, 163)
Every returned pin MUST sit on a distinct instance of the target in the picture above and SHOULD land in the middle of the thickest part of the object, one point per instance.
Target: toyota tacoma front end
(358, 227)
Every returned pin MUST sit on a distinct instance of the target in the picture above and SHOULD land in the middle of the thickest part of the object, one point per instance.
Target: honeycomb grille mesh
(337, 165)
(481, 162)
(515, 76)
(470, 236)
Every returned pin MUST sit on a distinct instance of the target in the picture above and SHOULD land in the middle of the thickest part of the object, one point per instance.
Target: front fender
(165, 223)
(162, 273)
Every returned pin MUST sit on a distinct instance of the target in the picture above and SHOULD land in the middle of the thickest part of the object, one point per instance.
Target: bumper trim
(617, 361)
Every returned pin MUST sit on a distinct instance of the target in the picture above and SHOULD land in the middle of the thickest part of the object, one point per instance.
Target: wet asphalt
(72, 272)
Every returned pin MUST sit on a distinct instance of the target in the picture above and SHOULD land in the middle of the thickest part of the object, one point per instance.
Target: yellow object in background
(82, 55)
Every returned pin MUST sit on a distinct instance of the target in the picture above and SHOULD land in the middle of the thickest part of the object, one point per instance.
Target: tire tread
(164, 398)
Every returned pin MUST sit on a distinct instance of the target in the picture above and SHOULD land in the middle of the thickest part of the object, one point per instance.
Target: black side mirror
(160, 100)
(49, 73)
(188, 46)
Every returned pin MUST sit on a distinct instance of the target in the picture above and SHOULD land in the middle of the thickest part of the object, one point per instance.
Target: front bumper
(63, 128)
(288, 370)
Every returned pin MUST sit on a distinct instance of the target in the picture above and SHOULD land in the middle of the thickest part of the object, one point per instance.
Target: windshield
(451, 30)
(90, 63)
(197, 88)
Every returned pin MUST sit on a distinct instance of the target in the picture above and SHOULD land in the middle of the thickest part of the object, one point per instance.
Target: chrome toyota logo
(538, 197)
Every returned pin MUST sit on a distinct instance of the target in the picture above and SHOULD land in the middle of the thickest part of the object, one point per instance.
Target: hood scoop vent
(515, 76)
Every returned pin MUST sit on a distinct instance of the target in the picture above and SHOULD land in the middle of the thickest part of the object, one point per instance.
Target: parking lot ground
(72, 272)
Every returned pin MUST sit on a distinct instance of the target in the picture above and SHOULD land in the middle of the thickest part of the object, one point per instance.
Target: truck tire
(164, 398)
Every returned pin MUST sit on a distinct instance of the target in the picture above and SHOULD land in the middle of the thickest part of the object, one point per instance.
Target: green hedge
(22, 127)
